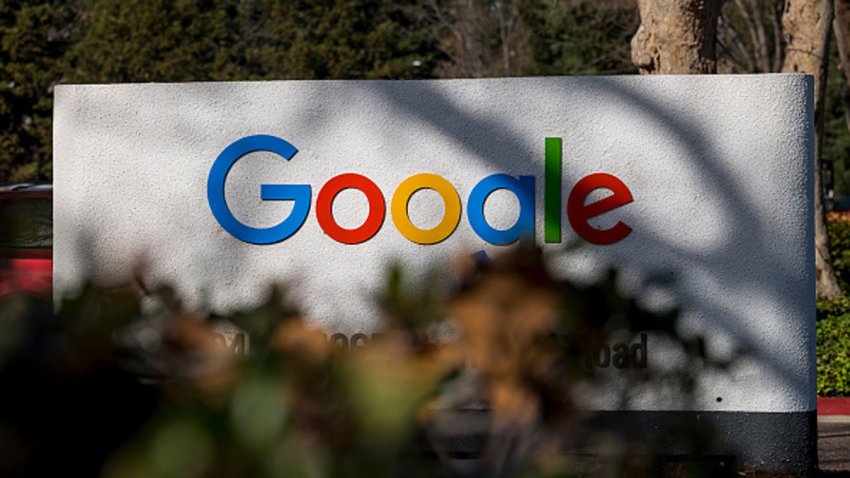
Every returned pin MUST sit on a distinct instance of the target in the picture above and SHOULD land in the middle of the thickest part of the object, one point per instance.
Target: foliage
(34, 37)
(833, 316)
(833, 347)
(157, 392)
(588, 37)
(836, 135)
(832, 308)
(838, 228)
(259, 39)
(369, 39)
(153, 41)
(114, 41)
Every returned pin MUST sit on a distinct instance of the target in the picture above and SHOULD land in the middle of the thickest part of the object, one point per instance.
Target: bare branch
(777, 38)
(728, 36)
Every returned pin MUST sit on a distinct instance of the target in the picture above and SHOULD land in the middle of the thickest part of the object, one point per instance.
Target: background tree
(43, 43)
(841, 25)
(371, 39)
(586, 37)
(155, 41)
(807, 28)
(34, 37)
(478, 38)
(252, 39)
(676, 36)
(836, 135)
(533, 37)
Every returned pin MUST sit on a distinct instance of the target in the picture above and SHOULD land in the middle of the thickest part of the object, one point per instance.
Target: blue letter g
(299, 193)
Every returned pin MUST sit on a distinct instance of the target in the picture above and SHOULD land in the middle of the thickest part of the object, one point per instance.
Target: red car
(26, 239)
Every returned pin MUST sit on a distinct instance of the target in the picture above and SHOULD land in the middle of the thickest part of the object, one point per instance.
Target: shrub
(833, 316)
(518, 344)
(833, 347)
(838, 227)
(833, 308)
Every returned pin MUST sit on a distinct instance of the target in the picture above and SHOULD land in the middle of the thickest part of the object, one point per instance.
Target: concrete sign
(226, 187)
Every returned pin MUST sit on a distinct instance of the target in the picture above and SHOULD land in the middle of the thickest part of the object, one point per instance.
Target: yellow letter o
(402, 196)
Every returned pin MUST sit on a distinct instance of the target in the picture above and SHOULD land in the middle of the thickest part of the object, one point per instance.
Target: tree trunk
(841, 25)
(676, 36)
(807, 24)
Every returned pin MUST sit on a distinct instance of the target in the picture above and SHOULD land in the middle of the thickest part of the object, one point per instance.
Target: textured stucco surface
(719, 166)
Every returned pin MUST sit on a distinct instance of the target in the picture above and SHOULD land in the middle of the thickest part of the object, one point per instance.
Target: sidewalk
(834, 437)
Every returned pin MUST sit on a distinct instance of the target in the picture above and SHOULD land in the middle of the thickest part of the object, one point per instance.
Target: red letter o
(374, 219)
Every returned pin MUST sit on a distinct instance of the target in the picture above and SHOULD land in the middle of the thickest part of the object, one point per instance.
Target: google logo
(523, 187)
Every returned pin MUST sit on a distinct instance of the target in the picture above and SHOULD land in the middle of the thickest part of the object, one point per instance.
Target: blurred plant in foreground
(119, 385)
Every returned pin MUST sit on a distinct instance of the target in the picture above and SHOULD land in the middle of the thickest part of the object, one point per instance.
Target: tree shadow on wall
(769, 275)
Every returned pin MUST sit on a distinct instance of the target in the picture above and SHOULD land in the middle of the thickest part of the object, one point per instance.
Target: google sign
(523, 187)
(713, 174)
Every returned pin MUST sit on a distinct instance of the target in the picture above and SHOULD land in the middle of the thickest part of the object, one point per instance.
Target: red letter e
(578, 213)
